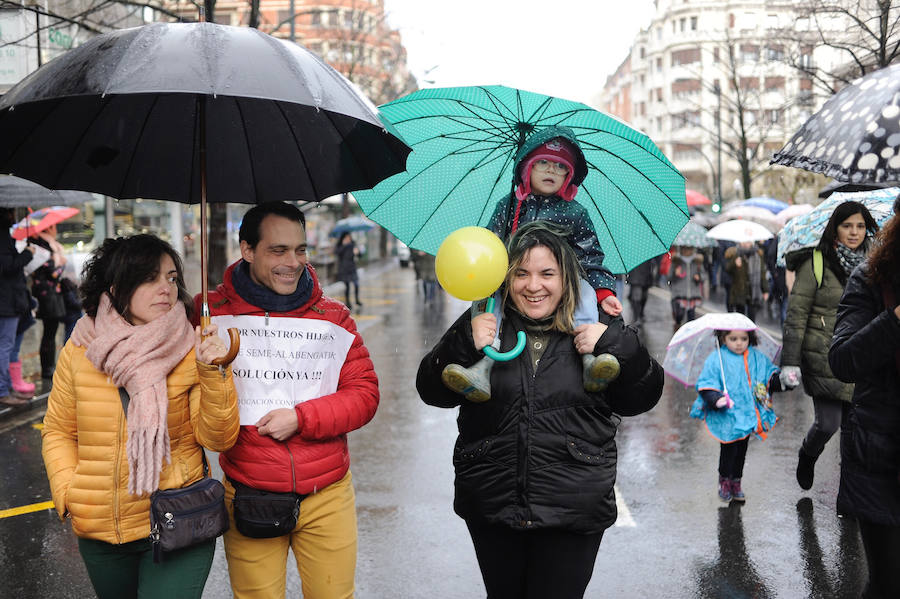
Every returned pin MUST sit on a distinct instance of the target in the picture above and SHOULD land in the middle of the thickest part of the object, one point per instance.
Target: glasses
(545, 166)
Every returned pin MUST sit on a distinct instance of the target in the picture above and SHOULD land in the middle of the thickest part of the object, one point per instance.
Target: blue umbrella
(351, 224)
(771, 204)
(805, 231)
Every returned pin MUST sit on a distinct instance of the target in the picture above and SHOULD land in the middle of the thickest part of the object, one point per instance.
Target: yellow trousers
(324, 544)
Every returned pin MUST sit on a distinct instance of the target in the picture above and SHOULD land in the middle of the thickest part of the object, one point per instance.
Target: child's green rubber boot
(474, 382)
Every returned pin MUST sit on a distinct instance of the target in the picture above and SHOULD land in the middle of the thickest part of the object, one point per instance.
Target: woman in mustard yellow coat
(102, 464)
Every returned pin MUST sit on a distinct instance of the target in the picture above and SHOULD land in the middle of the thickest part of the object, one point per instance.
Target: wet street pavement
(674, 538)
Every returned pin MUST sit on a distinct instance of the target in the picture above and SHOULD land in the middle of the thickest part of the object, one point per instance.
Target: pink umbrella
(42, 219)
(695, 198)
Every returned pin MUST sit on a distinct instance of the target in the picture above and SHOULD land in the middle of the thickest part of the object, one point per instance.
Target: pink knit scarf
(139, 358)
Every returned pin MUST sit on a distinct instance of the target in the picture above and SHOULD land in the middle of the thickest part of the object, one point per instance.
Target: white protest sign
(39, 256)
(284, 361)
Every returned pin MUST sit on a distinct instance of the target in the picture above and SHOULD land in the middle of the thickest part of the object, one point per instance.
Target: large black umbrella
(855, 136)
(179, 111)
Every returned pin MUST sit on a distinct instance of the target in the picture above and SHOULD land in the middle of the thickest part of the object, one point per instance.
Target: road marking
(26, 509)
(624, 518)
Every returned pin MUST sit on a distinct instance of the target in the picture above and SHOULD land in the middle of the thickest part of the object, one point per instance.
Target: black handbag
(183, 517)
(187, 516)
(264, 514)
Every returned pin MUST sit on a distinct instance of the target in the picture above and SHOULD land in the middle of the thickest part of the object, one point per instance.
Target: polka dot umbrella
(464, 141)
(855, 137)
(805, 231)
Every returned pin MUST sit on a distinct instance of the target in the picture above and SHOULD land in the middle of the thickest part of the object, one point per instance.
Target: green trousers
(127, 571)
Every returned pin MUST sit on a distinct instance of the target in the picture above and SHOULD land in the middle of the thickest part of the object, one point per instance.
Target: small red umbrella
(695, 198)
(42, 219)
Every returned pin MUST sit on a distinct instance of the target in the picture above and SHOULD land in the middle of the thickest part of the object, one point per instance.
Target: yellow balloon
(471, 263)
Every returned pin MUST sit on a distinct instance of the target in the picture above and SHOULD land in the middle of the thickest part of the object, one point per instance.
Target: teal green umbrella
(464, 141)
(694, 235)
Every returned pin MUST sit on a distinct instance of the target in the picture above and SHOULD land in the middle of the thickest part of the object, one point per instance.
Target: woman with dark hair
(818, 285)
(135, 400)
(535, 466)
(866, 351)
(347, 252)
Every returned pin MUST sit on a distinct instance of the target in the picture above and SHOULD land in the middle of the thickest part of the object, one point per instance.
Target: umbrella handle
(497, 356)
(235, 339)
(493, 354)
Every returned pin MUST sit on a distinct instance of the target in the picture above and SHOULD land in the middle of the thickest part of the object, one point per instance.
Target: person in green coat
(809, 326)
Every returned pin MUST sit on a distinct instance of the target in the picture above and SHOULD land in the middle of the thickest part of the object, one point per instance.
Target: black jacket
(14, 300)
(541, 453)
(346, 262)
(863, 351)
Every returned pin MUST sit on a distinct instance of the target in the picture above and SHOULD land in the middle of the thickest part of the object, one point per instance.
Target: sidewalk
(31, 366)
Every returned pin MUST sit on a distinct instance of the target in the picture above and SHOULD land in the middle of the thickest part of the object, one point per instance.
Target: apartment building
(715, 84)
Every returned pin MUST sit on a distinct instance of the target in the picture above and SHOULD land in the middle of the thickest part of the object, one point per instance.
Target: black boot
(806, 466)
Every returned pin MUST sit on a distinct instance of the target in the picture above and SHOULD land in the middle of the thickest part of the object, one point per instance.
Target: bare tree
(744, 121)
(864, 33)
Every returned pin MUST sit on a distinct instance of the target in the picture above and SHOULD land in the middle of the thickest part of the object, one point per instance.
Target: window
(659, 65)
(749, 82)
(659, 94)
(775, 53)
(773, 117)
(774, 84)
(806, 60)
(315, 17)
(348, 19)
(686, 56)
(716, 54)
(643, 52)
(682, 23)
(689, 118)
(693, 23)
(749, 53)
(685, 88)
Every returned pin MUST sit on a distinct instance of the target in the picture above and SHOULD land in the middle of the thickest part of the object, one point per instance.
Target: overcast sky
(565, 48)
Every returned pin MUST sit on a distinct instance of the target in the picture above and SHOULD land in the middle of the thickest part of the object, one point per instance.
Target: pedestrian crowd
(143, 385)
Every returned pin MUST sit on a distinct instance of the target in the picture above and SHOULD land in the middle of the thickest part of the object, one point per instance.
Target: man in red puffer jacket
(304, 380)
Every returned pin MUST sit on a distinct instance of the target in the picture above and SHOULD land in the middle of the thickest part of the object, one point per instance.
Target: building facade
(713, 83)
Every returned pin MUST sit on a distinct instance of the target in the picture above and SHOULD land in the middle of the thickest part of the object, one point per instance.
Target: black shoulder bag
(187, 516)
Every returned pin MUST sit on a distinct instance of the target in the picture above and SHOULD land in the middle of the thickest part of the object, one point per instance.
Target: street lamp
(718, 91)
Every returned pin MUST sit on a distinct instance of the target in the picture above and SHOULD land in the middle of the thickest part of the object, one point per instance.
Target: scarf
(849, 259)
(751, 256)
(263, 297)
(139, 358)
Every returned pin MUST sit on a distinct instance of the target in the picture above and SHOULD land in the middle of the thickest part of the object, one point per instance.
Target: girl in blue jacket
(735, 388)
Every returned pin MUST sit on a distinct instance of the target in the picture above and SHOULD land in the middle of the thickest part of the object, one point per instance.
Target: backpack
(818, 267)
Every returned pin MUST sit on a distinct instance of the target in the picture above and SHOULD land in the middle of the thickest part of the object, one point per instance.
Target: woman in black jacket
(535, 465)
(866, 350)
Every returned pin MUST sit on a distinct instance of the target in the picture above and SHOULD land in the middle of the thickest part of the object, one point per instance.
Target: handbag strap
(125, 398)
